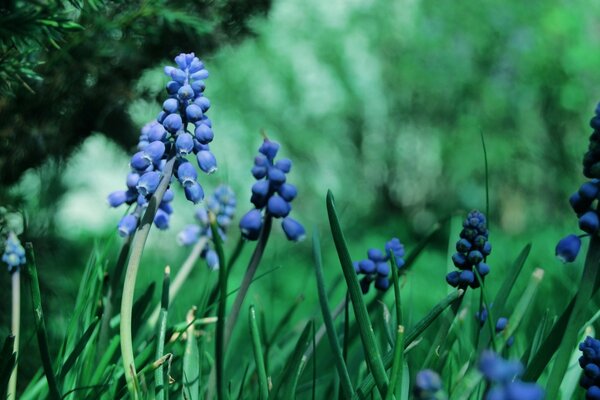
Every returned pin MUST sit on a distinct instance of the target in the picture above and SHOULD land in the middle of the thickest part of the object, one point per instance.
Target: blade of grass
(16, 328)
(79, 347)
(220, 344)
(191, 361)
(8, 360)
(398, 362)
(243, 383)
(104, 362)
(345, 382)
(40, 324)
(373, 357)
(293, 364)
(263, 385)
(161, 390)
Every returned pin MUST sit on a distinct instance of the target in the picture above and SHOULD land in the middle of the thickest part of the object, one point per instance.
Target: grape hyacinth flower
(590, 363)
(181, 129)
(271, 194)
(14, 253)
(377, 266)
(428, 386)
(222, 205)
(503, 376)
(471, 252)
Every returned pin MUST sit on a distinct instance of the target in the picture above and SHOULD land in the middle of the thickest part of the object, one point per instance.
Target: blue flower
(271, 192)
(173, 134)
(472, 250)
(504, 376)
(590, 363)
(376, 267)
(14, 253)
(428, 386)
(568, 248)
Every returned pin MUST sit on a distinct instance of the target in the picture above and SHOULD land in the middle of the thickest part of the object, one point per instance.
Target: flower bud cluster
(428, 386)
(271, 193)
(471, 252)
(222, 205)
(169, 137)
(14, 253)
(376, 267)
(504, 376)
(590, 363)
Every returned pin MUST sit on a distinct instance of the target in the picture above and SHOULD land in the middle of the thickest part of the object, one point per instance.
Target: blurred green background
(383, 102)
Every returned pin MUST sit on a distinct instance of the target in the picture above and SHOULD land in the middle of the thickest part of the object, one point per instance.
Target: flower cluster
(14, 253)
(169, 137)
(222, 205)
(428, 386)
(273, 193)
(376, 267)
(590, 362)
(471, 252)
(504, 375)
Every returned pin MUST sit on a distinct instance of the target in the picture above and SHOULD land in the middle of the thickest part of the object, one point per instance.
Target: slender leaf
(191, 362)
(161, 388)
(263, 385)
(220, 343)
(79, 347)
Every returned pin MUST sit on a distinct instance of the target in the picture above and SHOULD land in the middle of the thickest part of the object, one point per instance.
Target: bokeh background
(383, 102)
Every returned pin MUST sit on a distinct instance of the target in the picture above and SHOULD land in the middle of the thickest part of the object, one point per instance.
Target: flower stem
(137, 248)
(252, 267)
(16, 327)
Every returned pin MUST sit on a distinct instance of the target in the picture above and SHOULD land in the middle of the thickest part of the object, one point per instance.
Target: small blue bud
(206, 161)
(269, 149)
(276, 175)
(116, 198)
(475, 257)
(196, 65)
(382, 283)
(194, 193)
(140, 161)
(173, 87)
(463, 245)
(202, 216)
(161, 219)
(170, 106)
(212, 260)
(156, 132)
(383, 269)
(356, 266)
(427, 383)
(181, 62)
(166, 207)
(251, 224)
(148, 183)
(284, 164)
(193, 112)
(173, 123)
(579, 204)
(204, 134)
(189, 235)
(287, 191)
(367, 266)
(293, 230)
(486, 249)
(483, 269)
(155, 151)
(364, 284)
(185, 93)
(589, 191)
(178, 75)
(453, 278)
(168, 196)
(459, 260)
(259, 172)
(203, 103)
(184, 144)
(376, 255)
(127, 225)
(568, 248)
(201, 74)
(589, 222)
(261, 188)
(501, 324)
(186, 173)
(466, 277)
(278, 207)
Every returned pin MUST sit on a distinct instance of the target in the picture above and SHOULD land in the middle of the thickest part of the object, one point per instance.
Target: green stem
(252, 267)
(258, 355)
(159, 374)
(16, 327)
(137, 248)
(219, 342)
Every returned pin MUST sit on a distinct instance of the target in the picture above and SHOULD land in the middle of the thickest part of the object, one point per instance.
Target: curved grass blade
(162, 391)
(293, 364)
(40, 324)
(398, 362)
(241, 391)
(263, 385)
(345, 382)
(104, 362)
(78, 349)
(373, 357)
(8, 361)
(367, 384)
(191, 361)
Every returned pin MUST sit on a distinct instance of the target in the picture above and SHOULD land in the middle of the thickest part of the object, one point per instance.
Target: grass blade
(8, 360)
(40, 324)
(191, 361)
(79, 347)
(373, 357)
(161, 389)
(263, 385)
(220, 339)
(398, 362)
(345, 382)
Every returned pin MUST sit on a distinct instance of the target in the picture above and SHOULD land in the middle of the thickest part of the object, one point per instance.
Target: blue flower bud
(166, 207)
(496, 369)
(168, 196)
(259, 172)
(194, 192)
(148, 183)
(475, 257)
(459, 260)
(589, 222)
(201, 74)
(376, 255)
(173, 123)
(483, 269)
(463, 246)
(127, 225)
(181, 62)
(278, 207)
(382, 283)
(196, 65)
(367, 266)
(284, 164)
(523, 391)
(140, 161)
(204, 134)
(427, 384)
(156, 132)
(501, 324)
(189, 235)
(193, 112)
(269, 149)
(293, 230)
(178, 75)
(579, 204)
(592, 371)
(287, 191)
(383, 268)
(173, 87)
(251, 224)
(206, 161)
(185, 93)
(161, 219)
(203, 103)
(170, 106)
(184, 144)
(453, 278)
(276, 175)
(14, 253)
(568, 248)
(466, 277)
(202, 216)
(356, 266)
(116, 198)
(589, 191)
(186, 173)
(486, 249)
(261, 188)
(212, 260)
(155, 151)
